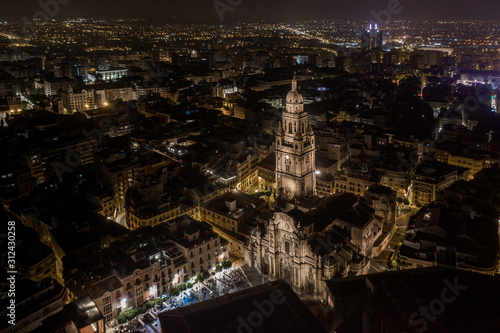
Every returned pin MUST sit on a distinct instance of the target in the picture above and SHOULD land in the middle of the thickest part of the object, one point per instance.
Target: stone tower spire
(295, 149)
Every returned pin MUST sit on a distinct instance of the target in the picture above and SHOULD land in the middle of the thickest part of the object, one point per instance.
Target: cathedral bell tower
(295, 150)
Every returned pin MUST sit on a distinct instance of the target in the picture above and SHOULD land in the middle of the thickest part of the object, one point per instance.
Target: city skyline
(333, 169)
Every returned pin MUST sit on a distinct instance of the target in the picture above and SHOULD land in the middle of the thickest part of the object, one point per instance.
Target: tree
(199, 278)
(174, 291)
(399, 200)
(130, 313)
(122, 318)
(226, 264)
(406, 201)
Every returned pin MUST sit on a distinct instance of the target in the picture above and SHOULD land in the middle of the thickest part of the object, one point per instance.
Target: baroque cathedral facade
(308, 240)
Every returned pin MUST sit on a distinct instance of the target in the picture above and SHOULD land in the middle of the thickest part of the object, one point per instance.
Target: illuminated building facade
(295, 150)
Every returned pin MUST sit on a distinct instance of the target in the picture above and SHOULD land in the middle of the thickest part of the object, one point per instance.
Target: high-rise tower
(372, 38)
(295, 149)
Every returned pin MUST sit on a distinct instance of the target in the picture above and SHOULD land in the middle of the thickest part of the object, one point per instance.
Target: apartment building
(432, 177)
(78, 100)
(104, 93)
(35, 301)
(353, 182)
(148, 264)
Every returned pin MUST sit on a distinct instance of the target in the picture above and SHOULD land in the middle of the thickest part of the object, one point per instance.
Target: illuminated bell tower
(295, 150)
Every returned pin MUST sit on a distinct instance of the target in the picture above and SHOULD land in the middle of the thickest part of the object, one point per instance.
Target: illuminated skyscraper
(372, 38)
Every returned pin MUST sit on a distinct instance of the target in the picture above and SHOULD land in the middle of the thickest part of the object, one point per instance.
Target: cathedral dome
(294, 97)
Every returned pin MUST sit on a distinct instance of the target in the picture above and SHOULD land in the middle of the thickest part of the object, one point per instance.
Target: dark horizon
(197, 11)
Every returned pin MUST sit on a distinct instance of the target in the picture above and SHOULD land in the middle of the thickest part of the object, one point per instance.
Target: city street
(381, 262)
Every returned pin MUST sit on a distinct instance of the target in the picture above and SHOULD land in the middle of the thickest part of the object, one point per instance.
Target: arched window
(290, 128)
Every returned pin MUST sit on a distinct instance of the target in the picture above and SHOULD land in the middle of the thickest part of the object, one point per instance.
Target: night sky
(202, 11)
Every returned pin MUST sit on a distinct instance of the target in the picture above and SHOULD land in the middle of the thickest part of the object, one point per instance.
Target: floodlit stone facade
(295, 150)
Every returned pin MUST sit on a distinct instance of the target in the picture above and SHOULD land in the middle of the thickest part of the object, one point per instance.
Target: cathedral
(309, 240)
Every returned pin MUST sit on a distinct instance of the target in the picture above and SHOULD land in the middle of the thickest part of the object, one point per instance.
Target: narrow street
(381, 262)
